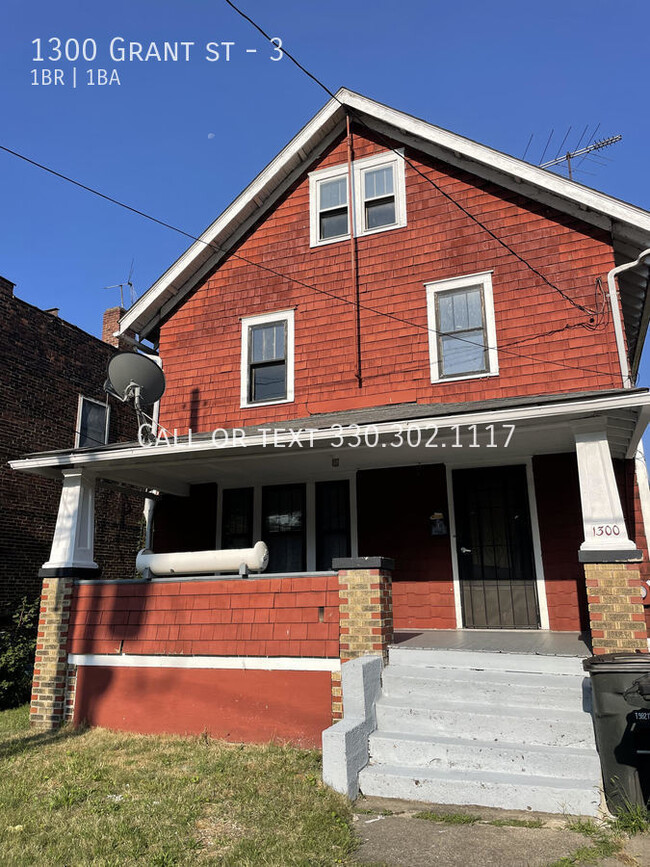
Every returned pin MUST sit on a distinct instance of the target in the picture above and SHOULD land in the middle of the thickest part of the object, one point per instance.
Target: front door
(495, 548)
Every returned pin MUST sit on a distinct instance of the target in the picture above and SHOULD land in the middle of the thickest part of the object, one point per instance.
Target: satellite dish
(135, 377)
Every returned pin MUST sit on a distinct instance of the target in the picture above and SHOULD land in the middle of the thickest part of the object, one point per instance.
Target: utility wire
(302, 283)
(282, 276)
(360, 120)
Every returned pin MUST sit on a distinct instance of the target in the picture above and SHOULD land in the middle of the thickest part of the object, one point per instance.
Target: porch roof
(317, 447)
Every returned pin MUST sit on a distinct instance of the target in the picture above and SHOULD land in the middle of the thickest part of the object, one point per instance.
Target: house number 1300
(606, 530)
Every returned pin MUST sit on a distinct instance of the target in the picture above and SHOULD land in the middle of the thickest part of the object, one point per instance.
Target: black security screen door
(495, 548)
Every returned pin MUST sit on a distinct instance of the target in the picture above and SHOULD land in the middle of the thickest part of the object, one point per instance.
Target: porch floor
(498, 641)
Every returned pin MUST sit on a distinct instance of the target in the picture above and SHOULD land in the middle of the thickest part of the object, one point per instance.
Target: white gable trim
(312, 140)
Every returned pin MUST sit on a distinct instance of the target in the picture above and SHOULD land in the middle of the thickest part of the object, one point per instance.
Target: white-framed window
(267, 366)
(380, 196)
(462, 331)
(93, 418)
(305, 524)
(330, 213)
(379, 199)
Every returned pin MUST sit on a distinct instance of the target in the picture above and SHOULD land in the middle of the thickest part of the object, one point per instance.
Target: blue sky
(180, 140)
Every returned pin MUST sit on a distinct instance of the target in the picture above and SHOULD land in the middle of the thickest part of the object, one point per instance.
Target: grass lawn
(98, 797)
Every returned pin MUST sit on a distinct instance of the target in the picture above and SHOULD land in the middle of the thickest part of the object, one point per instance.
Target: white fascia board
(294, 149)
(144, 311)
(237, 663)
(143, 455)
(589, 198)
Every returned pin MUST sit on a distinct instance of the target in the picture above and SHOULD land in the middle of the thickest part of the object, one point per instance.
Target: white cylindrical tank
(203, 562)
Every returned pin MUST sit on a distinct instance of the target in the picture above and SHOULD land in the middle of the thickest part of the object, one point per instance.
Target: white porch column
(72, 546)
(606, 539)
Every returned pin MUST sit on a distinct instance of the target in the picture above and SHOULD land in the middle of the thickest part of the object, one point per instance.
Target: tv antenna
(136, 378)
(581, 152)
(129, 283)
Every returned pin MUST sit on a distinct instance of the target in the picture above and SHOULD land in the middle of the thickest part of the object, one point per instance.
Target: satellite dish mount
(138, 379)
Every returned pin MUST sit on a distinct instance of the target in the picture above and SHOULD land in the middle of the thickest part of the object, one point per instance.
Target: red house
(395, 344)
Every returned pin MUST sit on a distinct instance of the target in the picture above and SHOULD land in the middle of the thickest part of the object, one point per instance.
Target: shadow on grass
(17, 745)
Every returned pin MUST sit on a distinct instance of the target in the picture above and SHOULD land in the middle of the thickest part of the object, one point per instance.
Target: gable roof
(628, 224)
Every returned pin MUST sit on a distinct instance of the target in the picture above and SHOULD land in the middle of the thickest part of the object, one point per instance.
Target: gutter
(617, 315)
(157, 454)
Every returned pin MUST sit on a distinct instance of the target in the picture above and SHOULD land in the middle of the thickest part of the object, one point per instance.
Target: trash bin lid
(622, 660)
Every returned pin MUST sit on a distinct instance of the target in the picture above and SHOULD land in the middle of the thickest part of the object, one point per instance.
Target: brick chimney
(110, 325)
(6, 287)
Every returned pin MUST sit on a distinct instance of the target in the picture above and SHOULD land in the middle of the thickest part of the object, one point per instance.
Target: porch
(526, 525)
(535, 642)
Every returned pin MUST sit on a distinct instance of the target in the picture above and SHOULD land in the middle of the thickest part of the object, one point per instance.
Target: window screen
(237, 518)
(332, 522)
(461, 331)
(267, 362)
(92, 424)
(283, 527)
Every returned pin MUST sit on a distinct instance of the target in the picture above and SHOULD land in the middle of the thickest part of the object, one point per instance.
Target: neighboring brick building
(46, 364)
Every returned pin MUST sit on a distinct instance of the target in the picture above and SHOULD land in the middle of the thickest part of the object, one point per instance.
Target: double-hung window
(333, 220)
(329, 206)
(379, 198)
(462, 332)
(92, 423)
(267, 358)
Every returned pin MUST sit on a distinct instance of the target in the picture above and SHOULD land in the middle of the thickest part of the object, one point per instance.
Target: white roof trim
(144, 314)
(159, 455)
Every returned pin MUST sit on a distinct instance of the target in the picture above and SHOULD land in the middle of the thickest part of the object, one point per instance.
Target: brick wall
(265, 617)
(46, 363)
(204, 334)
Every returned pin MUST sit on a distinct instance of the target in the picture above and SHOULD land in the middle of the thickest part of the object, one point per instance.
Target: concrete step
(485, 660)
(462, 754)
(577, 796)
(515, 689)
(525, 725)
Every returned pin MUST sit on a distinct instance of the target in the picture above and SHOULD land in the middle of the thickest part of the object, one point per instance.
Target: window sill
(367, 233)
(463, 377)
(328, 241)
(266, 403)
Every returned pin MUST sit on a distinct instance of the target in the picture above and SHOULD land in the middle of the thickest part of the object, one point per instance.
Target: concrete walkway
(392, 836)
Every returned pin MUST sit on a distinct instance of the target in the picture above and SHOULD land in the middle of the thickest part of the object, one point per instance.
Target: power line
(416, 169)
(295, 280)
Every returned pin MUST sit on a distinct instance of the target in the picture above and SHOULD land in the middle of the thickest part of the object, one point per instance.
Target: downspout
(354, 268)
(150, 500)
(617, 318)
(151, 495)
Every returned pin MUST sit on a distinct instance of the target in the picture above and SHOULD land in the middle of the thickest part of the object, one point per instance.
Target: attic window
(333, 209)
(379, 198)
(379, 201)
(267, 359)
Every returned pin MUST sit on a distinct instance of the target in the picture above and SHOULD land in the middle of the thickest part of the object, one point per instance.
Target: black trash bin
(621, 703)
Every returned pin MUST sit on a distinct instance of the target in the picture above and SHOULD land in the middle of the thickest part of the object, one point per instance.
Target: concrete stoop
(493, 729)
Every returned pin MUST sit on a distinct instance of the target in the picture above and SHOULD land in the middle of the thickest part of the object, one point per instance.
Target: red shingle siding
(200, 344)
(394, 507)
(274, 617)
(561, 533)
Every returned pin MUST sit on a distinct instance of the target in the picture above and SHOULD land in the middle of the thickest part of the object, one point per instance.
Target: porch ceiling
(454, 434)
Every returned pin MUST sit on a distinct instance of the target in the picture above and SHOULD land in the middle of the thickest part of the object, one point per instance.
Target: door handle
(465, 550)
